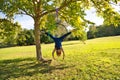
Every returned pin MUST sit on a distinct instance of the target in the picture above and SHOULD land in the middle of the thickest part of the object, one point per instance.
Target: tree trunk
(37, 40)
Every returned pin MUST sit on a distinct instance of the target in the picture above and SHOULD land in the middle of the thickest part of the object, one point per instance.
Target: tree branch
(61, 7)
(114, 3)
(25, 13)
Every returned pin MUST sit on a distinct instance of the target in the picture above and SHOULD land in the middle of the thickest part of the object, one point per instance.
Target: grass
(98, 59)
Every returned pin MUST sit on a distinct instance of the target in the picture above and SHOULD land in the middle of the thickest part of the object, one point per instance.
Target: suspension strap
(57, 21)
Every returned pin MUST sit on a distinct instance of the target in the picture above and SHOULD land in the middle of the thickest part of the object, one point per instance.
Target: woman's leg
(48, 34)
(63, 53)
(65, 35)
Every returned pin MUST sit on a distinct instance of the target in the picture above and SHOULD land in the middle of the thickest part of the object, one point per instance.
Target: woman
(58, 44)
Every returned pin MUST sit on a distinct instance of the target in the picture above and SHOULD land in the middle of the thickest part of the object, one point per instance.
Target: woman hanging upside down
(58, 43)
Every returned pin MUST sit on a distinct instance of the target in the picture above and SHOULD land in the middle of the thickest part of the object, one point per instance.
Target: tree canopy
(71, 11)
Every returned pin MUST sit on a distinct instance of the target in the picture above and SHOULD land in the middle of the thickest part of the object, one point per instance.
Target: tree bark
(37, 40)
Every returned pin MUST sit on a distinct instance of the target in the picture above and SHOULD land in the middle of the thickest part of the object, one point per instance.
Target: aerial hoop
(60, 28)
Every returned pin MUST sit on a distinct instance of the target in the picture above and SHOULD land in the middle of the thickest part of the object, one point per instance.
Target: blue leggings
(61, 38)
(65, 35)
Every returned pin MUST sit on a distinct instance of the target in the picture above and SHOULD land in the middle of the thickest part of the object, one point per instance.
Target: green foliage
(8, 32)
(25, 37)
(103, 30)
(12, 34)
(96, 60)
(12, 7)
(113, 17)
(50, 23)
(92, 31)
(46, 39)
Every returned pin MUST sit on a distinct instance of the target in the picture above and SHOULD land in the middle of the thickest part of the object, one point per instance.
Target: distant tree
(8, 32)
(104, 30)
(92, 32)
(25, 37)
(45, 39)
(117, 30)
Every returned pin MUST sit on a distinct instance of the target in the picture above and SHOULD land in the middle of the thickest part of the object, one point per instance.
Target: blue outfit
(59, 40)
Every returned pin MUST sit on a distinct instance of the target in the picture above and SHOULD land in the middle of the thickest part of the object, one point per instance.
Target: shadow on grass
(26, 67)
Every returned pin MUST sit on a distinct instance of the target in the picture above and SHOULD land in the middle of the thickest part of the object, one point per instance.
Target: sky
(27, 22)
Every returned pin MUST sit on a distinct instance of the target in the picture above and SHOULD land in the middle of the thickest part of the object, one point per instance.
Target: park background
(92, 55)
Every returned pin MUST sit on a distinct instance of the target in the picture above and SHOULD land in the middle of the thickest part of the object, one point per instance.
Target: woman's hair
(58, 52)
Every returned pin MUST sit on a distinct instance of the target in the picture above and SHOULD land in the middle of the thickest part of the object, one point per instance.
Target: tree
(92, 32)
(42, 12)
(25, 37)
(103, 31)
(8, 32)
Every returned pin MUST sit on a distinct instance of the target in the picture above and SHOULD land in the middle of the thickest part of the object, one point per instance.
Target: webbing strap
(57, 15)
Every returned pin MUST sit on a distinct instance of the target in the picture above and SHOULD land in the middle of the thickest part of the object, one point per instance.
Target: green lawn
(98, 59)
